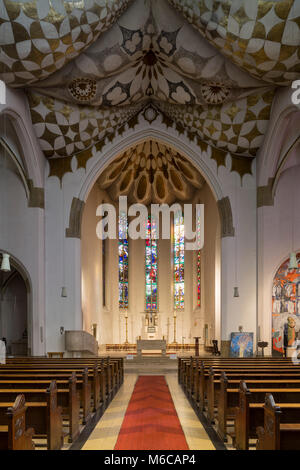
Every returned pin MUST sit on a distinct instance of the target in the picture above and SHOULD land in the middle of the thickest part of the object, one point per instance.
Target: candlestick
(126, 327)
(175, 318)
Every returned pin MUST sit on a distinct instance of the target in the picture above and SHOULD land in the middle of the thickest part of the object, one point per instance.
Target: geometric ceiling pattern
(151, 172)
(262, 37)
(211, 68)
(38, 37)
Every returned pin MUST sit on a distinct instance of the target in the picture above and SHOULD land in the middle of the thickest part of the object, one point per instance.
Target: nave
(108, 430)
(194, 403)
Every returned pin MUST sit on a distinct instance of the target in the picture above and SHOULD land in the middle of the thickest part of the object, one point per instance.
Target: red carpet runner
(151, 421)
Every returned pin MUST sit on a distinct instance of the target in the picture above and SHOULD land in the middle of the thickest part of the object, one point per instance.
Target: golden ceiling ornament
(83, 89)
(83, 157)
(59, 167)
(215, 92)
(243, 166)
(219, 156)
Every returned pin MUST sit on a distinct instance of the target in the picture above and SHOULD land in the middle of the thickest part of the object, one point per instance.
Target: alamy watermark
(138, 224)
(296, 93)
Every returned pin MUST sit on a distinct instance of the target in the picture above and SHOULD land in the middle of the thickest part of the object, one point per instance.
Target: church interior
(111, 341)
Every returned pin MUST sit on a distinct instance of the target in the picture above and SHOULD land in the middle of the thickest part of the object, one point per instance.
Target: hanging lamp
(5, 265)
(236, 292)
(64, 292)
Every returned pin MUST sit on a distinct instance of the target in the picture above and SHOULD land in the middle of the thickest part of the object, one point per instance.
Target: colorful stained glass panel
(151, 266)
(178, 262)
(123, 261)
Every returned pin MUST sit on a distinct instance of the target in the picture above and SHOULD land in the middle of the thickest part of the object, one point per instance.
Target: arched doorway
(162, 182)
(285, 306)
(14, 310)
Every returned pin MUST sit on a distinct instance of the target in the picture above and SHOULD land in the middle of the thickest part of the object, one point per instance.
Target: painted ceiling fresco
(90, 67)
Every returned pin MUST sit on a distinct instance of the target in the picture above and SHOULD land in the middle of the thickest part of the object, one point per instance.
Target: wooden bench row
(59, 392)
(226, 399)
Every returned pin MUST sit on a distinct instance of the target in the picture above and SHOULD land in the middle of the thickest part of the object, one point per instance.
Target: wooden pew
(201, 379)
(214, 385)
(190, 368)
(229, 399)
(67, 399)
(207, 381)
(276, 435)
(101, 376)
(103, 389)
(85, 383)
(35, 383)
(14, 435)
(115, 372)
(249, 416)
(46, 417)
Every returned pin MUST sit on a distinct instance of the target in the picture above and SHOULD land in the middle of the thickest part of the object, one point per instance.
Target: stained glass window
(151, 265)
(123, 261)
(178, 262)
(199, 262)
(199, 278)
(103, 273)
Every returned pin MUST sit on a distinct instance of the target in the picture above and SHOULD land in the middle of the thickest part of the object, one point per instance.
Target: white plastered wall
(22, 227)
(277, 224)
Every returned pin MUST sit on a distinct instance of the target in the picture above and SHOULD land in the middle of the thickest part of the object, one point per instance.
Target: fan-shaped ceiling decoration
(151, 172)
(210, 67)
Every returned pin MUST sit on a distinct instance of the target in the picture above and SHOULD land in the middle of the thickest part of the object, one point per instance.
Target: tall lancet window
(123, 261)
(151, 265)
(199, 278)
(178, 262)
(199, 263)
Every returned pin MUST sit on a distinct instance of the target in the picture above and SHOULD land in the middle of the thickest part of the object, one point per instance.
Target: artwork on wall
(285, 307)
(151, 265)
(178, 262)
(241, 345)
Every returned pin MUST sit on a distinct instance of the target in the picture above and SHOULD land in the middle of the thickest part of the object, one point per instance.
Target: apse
(129, 284)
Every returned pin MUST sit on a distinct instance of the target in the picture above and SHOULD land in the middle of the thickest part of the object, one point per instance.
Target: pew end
(14, 435)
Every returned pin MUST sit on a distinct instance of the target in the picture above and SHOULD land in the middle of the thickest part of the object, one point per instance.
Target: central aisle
(107, 436)
(151, 421)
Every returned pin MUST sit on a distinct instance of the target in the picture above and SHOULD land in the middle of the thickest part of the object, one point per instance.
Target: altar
(151, 345)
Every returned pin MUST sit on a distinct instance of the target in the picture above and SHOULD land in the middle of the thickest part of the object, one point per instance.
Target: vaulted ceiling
(208, 67)
(151, 172)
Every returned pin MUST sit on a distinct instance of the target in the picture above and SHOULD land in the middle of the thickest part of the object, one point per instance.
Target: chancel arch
(149, 171)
